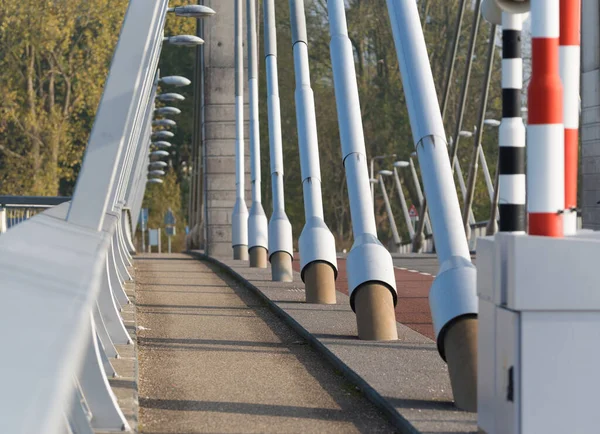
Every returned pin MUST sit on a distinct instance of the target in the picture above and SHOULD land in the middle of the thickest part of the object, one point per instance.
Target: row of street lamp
(405, 164)
(159, 145)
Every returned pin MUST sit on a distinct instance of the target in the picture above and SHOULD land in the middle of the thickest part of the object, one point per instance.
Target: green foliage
(158, 199)
(54, 57)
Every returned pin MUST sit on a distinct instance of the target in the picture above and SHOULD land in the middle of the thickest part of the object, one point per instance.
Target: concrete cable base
(319, 278)
(258, 257)
(281, 267)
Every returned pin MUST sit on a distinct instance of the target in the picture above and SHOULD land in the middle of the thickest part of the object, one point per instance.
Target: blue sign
(169, 218)
(143, 220)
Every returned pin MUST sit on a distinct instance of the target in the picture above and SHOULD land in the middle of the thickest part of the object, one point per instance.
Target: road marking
(415, 271)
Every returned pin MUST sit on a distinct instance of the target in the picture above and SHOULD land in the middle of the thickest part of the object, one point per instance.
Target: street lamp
(175, 80)
(486, 172)
(388, 208)
(167, 111)
(156, 172)
(184, 40)
(170, 96)
(162, 134)
(157, 165)
(459, 174)
(154, 181)
(161, 144)
(163, 123)
(409, 226)
(372, 171)
(192, 11)
(491, 122)
(159, 153)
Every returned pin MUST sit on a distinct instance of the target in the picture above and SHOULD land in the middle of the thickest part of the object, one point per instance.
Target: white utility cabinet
(539, 334)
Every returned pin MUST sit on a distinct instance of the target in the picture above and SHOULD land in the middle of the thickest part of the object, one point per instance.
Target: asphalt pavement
(214, 358)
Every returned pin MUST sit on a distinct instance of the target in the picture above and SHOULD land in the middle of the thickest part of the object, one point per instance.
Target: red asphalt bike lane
(412, 309)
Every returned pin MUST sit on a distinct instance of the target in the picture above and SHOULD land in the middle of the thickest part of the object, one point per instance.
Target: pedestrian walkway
(214, 358)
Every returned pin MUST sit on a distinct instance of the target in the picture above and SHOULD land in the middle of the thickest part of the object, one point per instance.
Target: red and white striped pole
(570, 26)
(545, 147)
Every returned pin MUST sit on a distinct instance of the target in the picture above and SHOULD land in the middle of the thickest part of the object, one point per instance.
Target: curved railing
(63, 270)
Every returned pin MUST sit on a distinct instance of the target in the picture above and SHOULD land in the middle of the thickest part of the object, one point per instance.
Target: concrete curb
(384, 404)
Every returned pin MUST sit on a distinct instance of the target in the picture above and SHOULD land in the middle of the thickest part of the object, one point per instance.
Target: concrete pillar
(590, 113)
(219, 127)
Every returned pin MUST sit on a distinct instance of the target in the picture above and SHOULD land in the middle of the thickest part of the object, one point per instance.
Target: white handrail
(63, 270)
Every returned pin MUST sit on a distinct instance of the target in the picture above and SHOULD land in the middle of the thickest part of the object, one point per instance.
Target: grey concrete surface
(407, 379)
(213, 357)
(590, 115)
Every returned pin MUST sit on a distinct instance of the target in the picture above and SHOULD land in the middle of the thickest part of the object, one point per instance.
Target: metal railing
(16, 209)
(477, 230)
(65, 294)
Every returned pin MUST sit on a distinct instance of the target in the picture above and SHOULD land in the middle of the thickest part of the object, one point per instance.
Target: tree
(54, 57)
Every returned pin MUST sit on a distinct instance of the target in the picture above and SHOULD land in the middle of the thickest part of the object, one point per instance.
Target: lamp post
(409, 226)
(388, 207)
(258, 227)
(415, 177)
(372, 171)
(477, 152)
